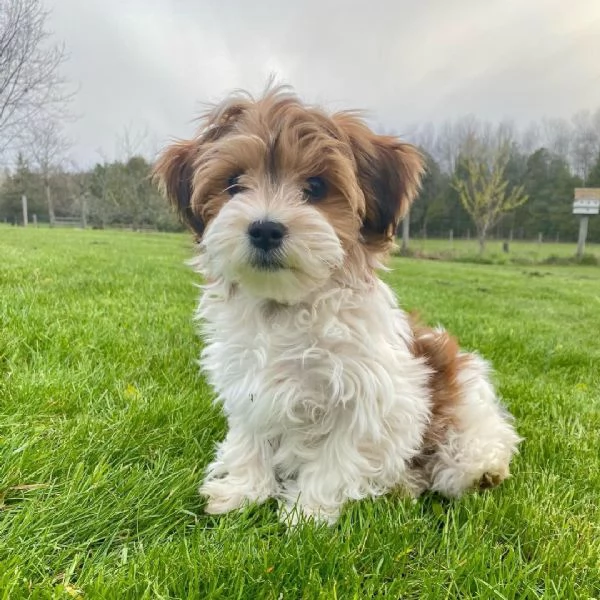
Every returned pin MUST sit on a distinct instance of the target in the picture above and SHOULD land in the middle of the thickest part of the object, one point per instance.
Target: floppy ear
(175, 168)
(389, 174)
(173, 172)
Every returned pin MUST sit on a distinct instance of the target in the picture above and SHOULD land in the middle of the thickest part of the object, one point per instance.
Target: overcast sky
(148, 64)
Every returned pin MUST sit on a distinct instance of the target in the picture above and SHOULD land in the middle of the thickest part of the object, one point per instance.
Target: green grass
(520, 252)
(106, 425)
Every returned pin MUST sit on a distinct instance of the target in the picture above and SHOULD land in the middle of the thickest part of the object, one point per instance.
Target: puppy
(331, 392)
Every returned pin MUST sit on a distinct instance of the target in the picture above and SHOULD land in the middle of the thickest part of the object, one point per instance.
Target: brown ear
(173, 172)
(175, 168)
(389, 173)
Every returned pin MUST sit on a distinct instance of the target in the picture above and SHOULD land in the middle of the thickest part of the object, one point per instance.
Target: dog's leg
(480, 444)
(309, 497)
(241, 473)
(334, 473)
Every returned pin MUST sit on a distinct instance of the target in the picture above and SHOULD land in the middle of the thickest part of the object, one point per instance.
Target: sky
(146, 67)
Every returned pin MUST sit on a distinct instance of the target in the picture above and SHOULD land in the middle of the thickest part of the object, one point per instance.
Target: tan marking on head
(371, 179)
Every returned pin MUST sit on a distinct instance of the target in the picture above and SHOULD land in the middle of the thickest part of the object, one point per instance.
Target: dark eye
(315, 188)
(233, 185)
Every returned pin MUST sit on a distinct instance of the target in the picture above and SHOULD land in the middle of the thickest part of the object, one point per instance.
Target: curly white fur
(325, 401)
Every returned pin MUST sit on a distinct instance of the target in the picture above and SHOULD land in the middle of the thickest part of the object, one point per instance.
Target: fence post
(405, 233)
(83, 212)
(24, 203)
(34, 220)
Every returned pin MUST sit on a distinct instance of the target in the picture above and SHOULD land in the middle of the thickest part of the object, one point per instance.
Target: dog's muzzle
(266, 239)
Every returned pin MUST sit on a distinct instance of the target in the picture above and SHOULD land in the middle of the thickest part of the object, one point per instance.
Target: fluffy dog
(331, 392)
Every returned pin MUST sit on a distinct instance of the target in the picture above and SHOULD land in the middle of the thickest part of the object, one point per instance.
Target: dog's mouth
(267, 261)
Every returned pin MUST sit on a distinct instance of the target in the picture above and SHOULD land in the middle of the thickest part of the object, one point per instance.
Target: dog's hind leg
(478, 446)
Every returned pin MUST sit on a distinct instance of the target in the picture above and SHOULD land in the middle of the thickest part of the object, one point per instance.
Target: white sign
(586, 207)
(587, 201)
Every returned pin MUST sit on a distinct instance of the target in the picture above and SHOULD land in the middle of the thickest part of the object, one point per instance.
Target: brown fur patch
(389, 173)
(174, 172)
(442, 354)
(490, 480)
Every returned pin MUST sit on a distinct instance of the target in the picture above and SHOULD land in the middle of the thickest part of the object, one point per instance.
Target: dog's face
(282, 196)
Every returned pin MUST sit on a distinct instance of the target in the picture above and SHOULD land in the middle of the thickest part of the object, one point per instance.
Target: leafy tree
(593, 180)
(484, 190)
(122, 193)
(431, 198)
(549, 184)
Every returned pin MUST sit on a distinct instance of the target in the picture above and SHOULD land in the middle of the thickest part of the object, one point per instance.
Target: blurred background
(503, 92)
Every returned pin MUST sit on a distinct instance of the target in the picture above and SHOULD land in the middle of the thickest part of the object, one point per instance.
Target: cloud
(148, 64)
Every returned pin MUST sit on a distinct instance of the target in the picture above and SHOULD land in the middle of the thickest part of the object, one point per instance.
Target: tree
(453, 138)
(557, 137)
(484, 191)
(530, 138)
(431, 197)
(586, 143)
(122, 192)
(78, 184)
(22, 181)
(549, 184)
(593, 179)
(30, 81)
(47, 147)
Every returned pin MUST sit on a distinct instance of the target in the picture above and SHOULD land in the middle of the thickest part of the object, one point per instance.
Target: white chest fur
(343, 357)
(326, 402)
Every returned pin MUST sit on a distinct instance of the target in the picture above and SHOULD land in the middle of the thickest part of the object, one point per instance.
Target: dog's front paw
(222, 496)
(227, 493)
(291, 514)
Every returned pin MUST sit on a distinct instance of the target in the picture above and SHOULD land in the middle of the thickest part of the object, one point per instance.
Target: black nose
(266, 235)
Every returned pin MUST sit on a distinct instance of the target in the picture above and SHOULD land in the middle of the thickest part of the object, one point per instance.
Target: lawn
(520, 252)
(106, 425)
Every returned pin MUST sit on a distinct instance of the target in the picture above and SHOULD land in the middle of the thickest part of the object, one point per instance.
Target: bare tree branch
(30, 79)
(132, 143)
(47, 146)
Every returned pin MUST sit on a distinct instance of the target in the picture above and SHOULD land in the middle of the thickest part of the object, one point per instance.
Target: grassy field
(106, 425)
(520, 252)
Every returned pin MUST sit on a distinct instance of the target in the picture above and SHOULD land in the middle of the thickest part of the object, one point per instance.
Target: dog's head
(282, 196)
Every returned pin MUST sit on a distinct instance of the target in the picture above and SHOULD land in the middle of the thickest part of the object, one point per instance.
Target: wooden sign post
(586, 203)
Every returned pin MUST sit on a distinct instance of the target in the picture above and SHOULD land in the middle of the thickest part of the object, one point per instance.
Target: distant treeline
(548, 159)
(549, 162)
(113, 194)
